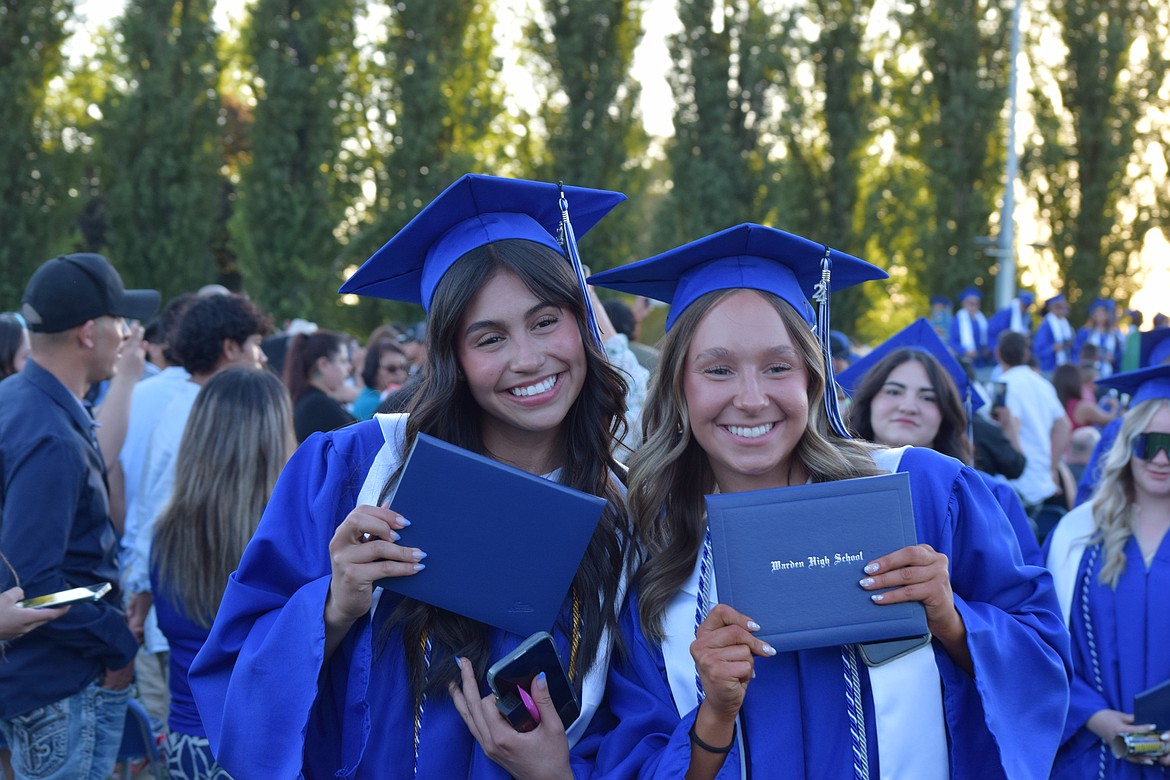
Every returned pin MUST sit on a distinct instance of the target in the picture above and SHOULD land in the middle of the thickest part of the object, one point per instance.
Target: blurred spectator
(13, 344)
(1101, 331)
(315, 369)
(1044, 426)
(1053, 343)
(240, 425)
(413, 342)
(1133, 342)
(941, 314)
(969, 332)
(213, 333)
(1074, 388)
(628, 326)
(1080, 449)
(384, 371)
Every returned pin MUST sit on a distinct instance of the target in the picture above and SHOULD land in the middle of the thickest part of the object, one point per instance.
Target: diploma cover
(502, 545)
(791, 558)
(1153, 706)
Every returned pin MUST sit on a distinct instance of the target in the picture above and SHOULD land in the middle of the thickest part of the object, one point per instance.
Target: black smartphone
(878, 653)
(1000, 390)
(64, 597)
(516, 671)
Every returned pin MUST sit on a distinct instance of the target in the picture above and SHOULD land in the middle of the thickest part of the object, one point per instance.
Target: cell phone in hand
(516, 672)
(1000, 397)
(64, 598)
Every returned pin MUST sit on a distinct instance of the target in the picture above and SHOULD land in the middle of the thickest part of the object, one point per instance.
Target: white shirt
(1033, 399)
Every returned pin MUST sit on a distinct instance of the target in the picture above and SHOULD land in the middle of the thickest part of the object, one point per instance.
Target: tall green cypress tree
(31, 36)
(718, 170)
(160, 146)
(946, 111)
(1087, 158)
(295, 189)
(594, 134)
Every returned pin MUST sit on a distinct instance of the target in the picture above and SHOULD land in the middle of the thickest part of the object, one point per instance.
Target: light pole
(1005, 281)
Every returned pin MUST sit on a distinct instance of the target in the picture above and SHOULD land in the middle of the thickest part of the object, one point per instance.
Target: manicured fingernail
(871, 568)
(541, 681)
(769, 650)
(419, 566)
(418, 555)
(753, 625)
(403, 521)
(459, 662)
(865, 582)
(394, 537)
(878, 597)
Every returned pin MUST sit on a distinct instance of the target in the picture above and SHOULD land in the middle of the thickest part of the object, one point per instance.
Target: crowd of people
(232, 482)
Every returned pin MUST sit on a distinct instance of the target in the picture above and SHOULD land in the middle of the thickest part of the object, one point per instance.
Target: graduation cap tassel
(821, 295)
(568, 243)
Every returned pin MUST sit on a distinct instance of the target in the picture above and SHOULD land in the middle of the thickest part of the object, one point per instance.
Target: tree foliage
(947, 92)
(295, 188)
(31, 186)
(590, 112)
(1087, 157)
(160, 147)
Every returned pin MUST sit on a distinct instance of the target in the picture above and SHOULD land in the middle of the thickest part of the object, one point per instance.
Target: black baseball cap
(70, 290)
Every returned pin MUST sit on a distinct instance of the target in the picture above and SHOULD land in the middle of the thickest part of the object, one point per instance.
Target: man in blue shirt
(63, 687)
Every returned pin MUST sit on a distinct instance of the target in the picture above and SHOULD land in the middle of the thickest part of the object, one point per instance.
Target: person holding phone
(310, 670)
(743, 400)
(16, 620)
(1110, 560)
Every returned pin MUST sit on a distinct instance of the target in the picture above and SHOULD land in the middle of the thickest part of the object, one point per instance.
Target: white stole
(967, 338)
(1018, 324)
(1061, 334)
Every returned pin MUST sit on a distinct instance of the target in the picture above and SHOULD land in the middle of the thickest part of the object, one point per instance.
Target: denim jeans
(72, 739)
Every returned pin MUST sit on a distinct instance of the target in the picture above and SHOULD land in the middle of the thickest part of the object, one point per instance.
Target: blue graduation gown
(1132, 638)
(1009, 502)
(983, 344)
(271, 707)
(1088, 481)
(1004, 722)
(1044, 348)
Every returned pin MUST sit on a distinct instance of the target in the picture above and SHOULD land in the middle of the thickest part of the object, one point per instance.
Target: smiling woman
(390, 686)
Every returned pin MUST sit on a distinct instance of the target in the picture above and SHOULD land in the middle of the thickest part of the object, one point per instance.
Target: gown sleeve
(1015, 704)
(256, 679)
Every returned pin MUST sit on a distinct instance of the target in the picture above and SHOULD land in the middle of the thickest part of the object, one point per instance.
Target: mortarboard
(1155, 347)
(474, 211)
(1145, 384)
(971, 292)
(1103, 303)
(940, 300)
(754, 257)
(1055, 299)
(921, 336)
(1026, 297)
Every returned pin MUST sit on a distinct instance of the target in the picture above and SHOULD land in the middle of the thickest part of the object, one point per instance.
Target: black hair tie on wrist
(710, 748)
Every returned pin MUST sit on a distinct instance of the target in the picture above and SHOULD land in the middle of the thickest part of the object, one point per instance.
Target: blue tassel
(568, 242)
(821, 295)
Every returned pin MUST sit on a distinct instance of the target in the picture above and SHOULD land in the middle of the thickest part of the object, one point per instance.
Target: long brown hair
(951, 438)
(670, 473)
(443, 407)
(237, 440)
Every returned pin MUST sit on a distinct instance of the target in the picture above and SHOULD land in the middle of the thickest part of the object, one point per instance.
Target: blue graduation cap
(921, 336)
(474, 211)
(1145, 384)
(1103, 303)
(971, 292)
(755, 257)
(1055, 299)
(1155, 347)
(940, 300)
(1026, 297)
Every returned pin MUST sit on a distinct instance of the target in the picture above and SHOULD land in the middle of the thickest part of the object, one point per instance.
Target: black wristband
(710, 748)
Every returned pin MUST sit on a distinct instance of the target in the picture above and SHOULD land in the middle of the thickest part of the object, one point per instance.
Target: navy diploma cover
(791, 558)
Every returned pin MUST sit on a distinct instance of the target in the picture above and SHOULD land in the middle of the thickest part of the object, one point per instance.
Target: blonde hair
(670, 472)
(236, 442)
(1114, 503)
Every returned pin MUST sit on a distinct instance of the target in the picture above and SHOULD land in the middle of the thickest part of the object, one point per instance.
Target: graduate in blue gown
(309, 668)
(1111, 562)
(1016, 316)
(910, 390)
(742, 401)
(1053, 342)
(969, 336)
